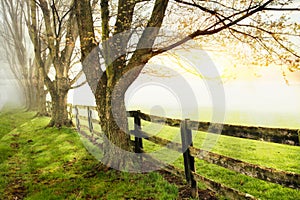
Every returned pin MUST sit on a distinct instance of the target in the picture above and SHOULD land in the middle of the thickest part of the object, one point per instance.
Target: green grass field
(278, 156)
(38, 163)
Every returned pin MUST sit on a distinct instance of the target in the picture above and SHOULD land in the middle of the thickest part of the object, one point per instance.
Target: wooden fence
(286, 179)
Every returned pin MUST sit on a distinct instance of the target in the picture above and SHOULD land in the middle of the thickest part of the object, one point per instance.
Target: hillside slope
(38, 163)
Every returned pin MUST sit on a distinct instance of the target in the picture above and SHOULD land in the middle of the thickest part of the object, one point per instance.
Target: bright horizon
(253, 95)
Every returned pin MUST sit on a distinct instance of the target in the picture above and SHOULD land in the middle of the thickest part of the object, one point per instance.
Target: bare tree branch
(208, 31)
(282, 9)
(79, 85)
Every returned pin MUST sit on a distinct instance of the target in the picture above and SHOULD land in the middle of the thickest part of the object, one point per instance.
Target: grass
(38, 163)
(278, 156)
(11, 119)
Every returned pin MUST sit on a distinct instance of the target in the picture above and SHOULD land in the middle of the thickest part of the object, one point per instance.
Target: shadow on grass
(38, 163)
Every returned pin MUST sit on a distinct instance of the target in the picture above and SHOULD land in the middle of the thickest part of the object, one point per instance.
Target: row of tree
(50, 44)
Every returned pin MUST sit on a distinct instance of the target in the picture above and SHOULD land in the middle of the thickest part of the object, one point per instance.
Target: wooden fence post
(70, 112)
(138, 141)
(49, 107)
(77, 118)
(90, 121)
(185, 147)
(189, 160)
(298, 136)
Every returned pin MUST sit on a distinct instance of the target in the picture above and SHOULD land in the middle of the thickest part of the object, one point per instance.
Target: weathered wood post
(192, 162)
(138, 141)
(298, 136)
(90, 121)
(70, 111)
(77, 118)
(185, 150)
(189, 160)
(49, 107)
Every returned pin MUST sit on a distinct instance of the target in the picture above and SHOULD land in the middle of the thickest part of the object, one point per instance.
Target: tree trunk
(117, 147)
(41, 101)
(109, 92)
(117, 123)
(42, 109)
(59, 115)
(59, 97)
(26, 91)
(31, 96)
(41, 94)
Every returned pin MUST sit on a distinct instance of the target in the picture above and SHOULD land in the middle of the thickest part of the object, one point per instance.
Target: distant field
(238, 117)
(278, 156)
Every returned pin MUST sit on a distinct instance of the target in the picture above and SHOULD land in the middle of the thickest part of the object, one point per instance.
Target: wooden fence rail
(287, 179)
(276, 135)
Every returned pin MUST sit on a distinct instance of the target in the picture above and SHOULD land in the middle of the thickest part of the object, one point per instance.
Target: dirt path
(15, 189)
(184, 189)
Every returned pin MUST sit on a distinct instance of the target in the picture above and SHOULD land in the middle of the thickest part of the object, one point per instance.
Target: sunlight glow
(254, 95)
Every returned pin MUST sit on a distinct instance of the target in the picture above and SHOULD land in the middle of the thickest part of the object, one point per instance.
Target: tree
(122, 61)
(41, 61)
(59, 25)
(15, 46)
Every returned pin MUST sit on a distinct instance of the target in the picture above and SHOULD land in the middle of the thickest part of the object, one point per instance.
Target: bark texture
(110, 85)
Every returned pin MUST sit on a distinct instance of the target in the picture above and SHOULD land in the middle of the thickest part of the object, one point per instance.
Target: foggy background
(10, 93)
